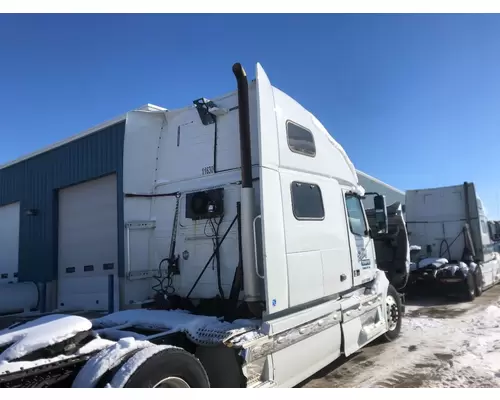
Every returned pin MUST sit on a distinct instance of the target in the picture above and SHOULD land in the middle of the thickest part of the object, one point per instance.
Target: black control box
(205, 204)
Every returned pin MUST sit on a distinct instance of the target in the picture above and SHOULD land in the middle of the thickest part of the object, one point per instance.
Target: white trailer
(457, 253)
(245, 218)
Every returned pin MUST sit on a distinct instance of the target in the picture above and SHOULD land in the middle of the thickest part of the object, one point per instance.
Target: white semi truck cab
(247, 245)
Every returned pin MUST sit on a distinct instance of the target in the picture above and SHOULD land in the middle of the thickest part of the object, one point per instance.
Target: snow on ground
(457, 345)
(477, 358)
(461, 352)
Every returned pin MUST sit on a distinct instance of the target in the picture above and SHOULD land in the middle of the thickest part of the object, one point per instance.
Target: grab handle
(255, 246)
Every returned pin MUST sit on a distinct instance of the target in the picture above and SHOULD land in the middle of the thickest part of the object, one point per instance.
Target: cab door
(363, 316)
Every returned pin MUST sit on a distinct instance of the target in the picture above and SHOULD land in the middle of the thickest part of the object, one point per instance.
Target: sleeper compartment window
(307, 202)
(356, 216)
(300, 140)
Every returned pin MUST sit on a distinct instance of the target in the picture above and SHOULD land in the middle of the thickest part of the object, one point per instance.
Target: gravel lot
(441, 345)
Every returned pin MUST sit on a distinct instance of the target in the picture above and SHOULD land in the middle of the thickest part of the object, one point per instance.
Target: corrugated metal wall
(391, 195)
(35, 181)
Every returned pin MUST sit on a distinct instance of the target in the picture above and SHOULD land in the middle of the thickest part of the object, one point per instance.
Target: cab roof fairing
(352, 178)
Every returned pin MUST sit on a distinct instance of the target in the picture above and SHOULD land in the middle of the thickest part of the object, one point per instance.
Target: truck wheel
(394, 314)
(161, 367)
(469, 288)
(478, 282)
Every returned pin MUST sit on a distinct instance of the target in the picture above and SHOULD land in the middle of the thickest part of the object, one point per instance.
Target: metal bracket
(207, 110)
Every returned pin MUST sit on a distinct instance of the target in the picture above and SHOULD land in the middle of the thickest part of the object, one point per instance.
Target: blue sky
(414, 99)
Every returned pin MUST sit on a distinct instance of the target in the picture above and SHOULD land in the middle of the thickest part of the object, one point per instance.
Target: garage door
(88, 244)
(9, 242)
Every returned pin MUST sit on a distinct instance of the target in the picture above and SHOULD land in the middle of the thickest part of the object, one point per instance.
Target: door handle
(343, 277)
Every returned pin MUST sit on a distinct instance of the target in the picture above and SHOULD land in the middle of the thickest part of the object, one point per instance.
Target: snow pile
(15, 366)
(94, 345)
(107, 359)
(437, 262)
(155, 319)
(202, 329)
(40, 333)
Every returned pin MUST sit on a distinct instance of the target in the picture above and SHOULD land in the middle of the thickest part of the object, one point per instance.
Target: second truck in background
(452, 241)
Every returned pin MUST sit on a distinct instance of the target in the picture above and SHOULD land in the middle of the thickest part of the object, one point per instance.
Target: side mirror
(380, 214)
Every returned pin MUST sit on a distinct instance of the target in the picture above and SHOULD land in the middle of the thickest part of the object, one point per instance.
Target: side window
(356, 216)
(300, 140)
(307, 202)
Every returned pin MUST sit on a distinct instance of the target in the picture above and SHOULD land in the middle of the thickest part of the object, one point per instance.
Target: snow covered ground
(440, 346)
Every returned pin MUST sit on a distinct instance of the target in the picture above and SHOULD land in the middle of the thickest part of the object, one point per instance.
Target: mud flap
(403, 303)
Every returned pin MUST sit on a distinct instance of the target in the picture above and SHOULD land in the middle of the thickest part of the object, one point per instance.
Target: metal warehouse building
(51, 199)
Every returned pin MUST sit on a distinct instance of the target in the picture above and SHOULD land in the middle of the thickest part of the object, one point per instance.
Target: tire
(394, 314)
(168, 367)
(469, 288)
(478, 281)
